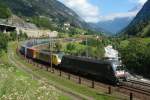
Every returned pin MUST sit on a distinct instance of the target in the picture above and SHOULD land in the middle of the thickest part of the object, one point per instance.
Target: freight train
(41, 55)
(99, 70)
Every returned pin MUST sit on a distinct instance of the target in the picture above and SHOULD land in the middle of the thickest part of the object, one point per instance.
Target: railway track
(136, 90)
(139, 83)
(137, 87)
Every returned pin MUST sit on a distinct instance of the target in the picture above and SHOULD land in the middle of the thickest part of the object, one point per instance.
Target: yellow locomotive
(48, 57)
(41, 55)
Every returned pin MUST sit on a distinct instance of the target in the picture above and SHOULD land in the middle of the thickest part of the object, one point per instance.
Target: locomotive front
(119, 70)
(112, 55)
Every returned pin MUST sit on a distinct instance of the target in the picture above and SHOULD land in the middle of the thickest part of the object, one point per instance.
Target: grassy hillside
(17, 85)
(146, 31)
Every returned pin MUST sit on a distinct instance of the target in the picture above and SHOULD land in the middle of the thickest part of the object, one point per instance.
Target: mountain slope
(98, 28)
(116, 25)
(51, 9)
(140, 26)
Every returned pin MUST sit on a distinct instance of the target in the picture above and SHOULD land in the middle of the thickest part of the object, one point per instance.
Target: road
(73, 95)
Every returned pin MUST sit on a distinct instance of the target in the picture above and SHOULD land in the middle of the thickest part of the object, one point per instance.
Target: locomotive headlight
(120, 73)
(59, 61)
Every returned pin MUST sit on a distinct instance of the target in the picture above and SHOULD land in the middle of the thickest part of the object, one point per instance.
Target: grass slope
(18, 85)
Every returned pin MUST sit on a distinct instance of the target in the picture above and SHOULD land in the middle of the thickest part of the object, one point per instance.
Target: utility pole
(50, 47)
(51, 53)
(17, 38)
(97, 38)
(87, 47)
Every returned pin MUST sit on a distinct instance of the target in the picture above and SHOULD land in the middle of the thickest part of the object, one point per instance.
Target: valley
(103, 49)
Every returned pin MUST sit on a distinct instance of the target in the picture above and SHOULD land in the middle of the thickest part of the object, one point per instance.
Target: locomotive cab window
(60, 56)
(119, 68)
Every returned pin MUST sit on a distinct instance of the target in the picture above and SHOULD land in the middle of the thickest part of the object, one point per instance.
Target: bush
(22, 36)
(4, 11)
(43, 22)
(78, 49)
(136, 57)
(3, 42)
(13, 36)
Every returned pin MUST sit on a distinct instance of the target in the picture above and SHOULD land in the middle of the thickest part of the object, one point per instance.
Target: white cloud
(139, 1)
(130, 14)
(118, 15)
(91, 13)
(83, 8)
(142, 1)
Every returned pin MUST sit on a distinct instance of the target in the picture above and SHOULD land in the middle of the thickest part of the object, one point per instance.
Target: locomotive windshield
(119, 68)
(60, 55)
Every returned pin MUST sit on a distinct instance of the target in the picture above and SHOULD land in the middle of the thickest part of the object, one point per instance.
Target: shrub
(5, 12)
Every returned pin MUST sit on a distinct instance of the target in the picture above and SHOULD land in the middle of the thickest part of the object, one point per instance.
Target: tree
(136, 57)
(3, 42)
(63, 35)
(22, 36)
(13, 36)
(4, 11)
(70, 48)
(58, 46)
(25, 36)
(148, 32)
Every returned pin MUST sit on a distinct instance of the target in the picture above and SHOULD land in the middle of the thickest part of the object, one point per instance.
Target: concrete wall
(39, 33)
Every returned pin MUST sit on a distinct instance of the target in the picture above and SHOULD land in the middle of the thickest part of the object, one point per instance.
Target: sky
(104, 10)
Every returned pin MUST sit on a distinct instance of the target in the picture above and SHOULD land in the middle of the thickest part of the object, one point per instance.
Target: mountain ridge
(53, 10)
(113, 26)
(140, 24)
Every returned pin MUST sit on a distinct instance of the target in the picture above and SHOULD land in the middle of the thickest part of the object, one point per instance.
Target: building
(36, 33)
(7, 28)
(67, 26)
